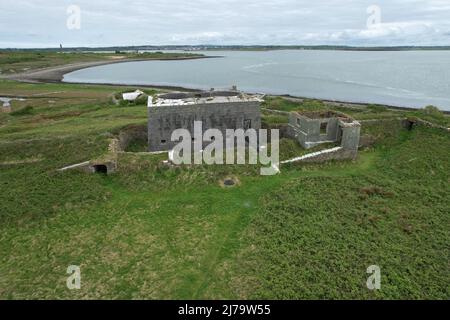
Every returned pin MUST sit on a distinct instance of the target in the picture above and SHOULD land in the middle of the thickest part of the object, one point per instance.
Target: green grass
(315, 236)
(153, 231)
(20, 61)
(22, 111)
(372, 111)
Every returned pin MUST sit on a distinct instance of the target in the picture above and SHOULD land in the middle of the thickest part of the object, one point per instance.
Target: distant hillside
(238, 47)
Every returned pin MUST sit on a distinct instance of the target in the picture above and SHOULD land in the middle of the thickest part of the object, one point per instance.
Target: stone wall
(162, 121)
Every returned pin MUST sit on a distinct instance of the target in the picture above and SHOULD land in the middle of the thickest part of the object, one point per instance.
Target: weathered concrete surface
(313, 128)
(350, 135)
(163, 120)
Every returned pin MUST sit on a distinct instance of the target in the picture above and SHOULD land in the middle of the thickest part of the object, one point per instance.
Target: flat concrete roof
(183, 99)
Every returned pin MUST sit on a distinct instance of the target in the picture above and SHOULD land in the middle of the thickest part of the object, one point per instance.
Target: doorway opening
(100, 168)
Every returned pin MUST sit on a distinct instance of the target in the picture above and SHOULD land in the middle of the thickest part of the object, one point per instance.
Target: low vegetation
(140, 101)
(17, 61)
(155, 231)
(434, 115)
(359, 112)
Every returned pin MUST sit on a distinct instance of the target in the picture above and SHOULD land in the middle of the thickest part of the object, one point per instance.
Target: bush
(376, 108)
(280, 104)
(432, 110)
(433, 114)
(23, 111)
(141, 100)
(312, 104)
(269, 119)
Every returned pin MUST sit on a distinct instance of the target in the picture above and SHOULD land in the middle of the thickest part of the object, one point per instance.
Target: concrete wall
(341, 154)
(308, 131)
(350, 136)
(162, 121)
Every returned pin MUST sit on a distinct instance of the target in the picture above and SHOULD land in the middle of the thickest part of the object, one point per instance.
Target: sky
(47, 23)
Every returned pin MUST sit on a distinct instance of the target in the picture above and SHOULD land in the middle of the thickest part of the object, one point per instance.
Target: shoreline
(330, 102)
(56, 75)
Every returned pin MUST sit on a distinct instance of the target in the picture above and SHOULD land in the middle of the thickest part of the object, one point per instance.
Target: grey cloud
(138, 22)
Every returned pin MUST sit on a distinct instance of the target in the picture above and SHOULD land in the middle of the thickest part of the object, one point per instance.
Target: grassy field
(21, 61)
(152, 231)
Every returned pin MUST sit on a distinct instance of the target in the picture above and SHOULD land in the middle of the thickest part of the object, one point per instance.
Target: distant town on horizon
(205, 47)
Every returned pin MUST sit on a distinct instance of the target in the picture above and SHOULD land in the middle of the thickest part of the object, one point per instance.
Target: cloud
(393, 33)
(42, 23)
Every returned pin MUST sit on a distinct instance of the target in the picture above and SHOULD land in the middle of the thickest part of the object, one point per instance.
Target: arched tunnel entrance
(410, 125)
(100, 168)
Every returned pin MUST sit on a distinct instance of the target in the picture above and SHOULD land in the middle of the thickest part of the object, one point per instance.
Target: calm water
(408, 78)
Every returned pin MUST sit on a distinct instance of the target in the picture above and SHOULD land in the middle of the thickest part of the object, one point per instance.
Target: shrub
(123, 103)
(23, 111)
(432, 110)
(141, 100)
(376, 108)
(311, 104)
(433, 114)
(269, 119)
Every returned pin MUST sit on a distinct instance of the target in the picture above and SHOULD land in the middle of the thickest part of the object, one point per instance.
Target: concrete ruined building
(132, 96)
(313, 128)
(215, 109)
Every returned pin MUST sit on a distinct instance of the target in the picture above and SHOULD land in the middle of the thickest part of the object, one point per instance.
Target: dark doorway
(339, 135)
(229, 182)
(410, 125)
(323, 128)
(101, 168)
(247, 124)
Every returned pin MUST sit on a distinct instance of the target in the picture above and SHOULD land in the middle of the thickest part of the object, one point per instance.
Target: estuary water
(399, 78)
